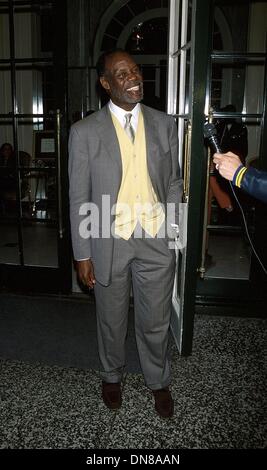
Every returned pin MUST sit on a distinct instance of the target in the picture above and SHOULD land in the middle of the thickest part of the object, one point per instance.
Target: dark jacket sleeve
(254, 183)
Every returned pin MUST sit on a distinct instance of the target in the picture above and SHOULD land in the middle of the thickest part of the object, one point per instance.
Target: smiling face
(122, 80)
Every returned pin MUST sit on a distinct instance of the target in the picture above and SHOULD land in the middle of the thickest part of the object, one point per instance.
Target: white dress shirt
(119, 113)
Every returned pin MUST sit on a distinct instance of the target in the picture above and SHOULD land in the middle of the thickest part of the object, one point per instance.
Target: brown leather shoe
(163, 402)
(111, 394)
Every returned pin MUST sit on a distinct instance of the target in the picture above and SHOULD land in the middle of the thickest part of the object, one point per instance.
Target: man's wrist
(239, 175)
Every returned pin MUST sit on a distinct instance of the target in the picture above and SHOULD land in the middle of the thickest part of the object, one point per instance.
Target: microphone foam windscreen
(209, 130)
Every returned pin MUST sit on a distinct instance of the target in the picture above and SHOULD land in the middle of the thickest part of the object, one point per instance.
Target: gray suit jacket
(95, 169)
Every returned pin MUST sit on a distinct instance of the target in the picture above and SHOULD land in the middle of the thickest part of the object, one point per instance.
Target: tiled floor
(219, 394)
(231, 256)
(34, 237)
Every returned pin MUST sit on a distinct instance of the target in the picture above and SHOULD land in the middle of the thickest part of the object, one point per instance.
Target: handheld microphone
(210, 133)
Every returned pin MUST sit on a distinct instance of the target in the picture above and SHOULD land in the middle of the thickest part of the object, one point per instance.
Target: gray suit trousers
(146, 264)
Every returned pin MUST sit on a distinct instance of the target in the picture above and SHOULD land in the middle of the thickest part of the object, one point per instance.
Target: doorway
(34, 246)
(213, 79)
(229, 272)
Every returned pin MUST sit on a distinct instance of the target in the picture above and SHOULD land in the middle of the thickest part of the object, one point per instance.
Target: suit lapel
(109, 137)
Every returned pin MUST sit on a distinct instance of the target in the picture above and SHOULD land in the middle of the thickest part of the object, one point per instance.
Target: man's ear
(105, 84)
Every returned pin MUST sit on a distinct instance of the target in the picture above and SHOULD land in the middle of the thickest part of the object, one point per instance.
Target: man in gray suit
(124, 172)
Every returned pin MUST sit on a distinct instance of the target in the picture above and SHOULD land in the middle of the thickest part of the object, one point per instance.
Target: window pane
(5, 90)
(27, 35)
(29, 88)
(35, 89)
(34, 31)
(234, 82)
(4, 36)
(240, 26)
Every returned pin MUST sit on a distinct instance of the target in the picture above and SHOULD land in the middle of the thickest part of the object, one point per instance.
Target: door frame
(182, 322)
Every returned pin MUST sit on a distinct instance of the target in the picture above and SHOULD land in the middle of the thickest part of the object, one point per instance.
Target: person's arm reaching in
(253, 181)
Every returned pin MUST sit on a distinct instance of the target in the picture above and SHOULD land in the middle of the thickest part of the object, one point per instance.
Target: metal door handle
(60, 216)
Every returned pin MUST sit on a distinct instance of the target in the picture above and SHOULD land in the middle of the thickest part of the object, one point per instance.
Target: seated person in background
(251, 180)
(7, 156)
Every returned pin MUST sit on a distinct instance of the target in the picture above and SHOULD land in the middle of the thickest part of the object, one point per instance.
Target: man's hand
(85, 272)
(227, 164)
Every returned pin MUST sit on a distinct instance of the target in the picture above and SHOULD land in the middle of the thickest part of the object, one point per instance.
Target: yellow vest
(137, 201)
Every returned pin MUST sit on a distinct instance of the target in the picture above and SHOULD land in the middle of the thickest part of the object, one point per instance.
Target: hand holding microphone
(225, 163)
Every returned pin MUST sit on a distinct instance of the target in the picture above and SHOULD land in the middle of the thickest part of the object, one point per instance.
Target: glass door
(34, 245)
(229, 271)
(188, 46)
